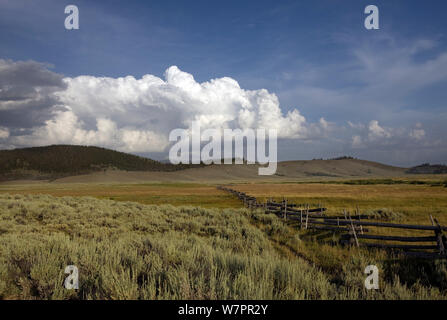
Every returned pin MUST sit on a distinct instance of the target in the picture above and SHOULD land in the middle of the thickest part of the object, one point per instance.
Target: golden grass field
(416, 201)
(176, 194)
(410, 200)
(413, 202)
(126, 250)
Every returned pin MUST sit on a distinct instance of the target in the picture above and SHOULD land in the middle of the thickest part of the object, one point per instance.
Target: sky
(135, 70)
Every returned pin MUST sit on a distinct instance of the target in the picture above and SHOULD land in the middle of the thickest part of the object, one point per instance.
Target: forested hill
(69, 159)
(427, 168)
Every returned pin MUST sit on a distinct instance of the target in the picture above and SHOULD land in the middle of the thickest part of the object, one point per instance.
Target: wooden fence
(352, 228)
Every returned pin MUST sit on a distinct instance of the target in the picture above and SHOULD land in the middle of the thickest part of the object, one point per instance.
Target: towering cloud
(41, 107)
(136, 115)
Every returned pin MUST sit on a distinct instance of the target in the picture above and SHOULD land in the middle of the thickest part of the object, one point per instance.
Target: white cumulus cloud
(66, 128)
(4, 133)
(374, 135)
(376, 131)
(136, 115)
(417, 134)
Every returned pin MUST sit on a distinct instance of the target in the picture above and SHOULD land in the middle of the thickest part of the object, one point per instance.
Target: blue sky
(315, 56)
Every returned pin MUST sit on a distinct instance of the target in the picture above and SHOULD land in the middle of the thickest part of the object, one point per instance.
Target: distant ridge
(62, 160)
(427, 168)
(82, 164)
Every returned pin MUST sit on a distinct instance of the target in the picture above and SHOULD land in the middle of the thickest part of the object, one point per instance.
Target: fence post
(439, 236)
(307, 215)
(353, 231)
(301, 218)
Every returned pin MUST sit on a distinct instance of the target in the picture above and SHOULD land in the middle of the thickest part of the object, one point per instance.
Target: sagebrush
(126, 250)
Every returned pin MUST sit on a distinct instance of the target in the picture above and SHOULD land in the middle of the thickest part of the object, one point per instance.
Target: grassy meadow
(176, 194)
(192, 241)
(416, 202)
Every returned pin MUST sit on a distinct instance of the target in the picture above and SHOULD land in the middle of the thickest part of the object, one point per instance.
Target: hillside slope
(287, 171)
(337, 168)
(66, 163)
(427, 168)
(64, 160)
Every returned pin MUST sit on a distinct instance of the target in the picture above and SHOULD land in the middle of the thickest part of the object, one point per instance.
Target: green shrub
(125, 250)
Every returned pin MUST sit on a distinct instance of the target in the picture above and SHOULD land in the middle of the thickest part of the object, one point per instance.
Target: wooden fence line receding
(351, 227)
(397, 238)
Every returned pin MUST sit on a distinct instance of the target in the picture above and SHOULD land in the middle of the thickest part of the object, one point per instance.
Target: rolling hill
(67, 160)
(427, 168)
(67, 163)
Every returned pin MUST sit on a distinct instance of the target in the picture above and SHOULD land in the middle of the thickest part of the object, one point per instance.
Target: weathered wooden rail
(352, 227)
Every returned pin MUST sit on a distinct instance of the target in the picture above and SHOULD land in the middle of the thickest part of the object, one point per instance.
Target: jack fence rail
(352, 227)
